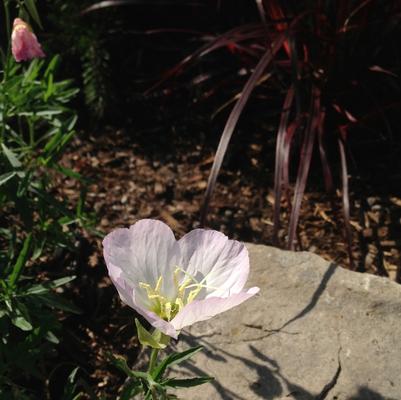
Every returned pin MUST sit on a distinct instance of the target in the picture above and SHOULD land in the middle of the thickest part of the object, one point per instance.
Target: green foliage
(28, 322)
(36, 125)
(83, 42)
(153, 384)
(95, 71)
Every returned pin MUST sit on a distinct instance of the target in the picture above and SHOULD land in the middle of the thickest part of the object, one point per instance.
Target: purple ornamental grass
(174, 284)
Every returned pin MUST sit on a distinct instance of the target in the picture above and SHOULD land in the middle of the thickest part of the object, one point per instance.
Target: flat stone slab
(315, 331)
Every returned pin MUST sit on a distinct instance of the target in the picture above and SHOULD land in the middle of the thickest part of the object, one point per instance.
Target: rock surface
(315, 331)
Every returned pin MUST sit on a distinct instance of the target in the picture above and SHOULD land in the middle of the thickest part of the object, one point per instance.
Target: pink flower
(24, 44)
(174, 284)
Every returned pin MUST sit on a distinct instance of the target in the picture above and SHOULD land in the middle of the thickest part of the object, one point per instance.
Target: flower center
(167, 308)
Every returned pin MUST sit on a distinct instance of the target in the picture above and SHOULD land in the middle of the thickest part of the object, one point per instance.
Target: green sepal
(155, 340)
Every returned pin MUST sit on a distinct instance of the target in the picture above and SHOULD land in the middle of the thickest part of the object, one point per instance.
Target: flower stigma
(167, 308)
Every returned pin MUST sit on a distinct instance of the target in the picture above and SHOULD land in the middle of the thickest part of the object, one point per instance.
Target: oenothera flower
(174, 284)
(24, 43)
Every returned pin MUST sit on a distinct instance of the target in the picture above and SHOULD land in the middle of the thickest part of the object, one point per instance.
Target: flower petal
(144, 252)
(127, 295)
(166, 327)
(224, 262)
(24, 43)
(201, 310)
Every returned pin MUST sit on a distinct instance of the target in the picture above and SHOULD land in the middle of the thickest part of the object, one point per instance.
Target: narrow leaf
(173, 359)
(55, 301)
(186, 383)
(278, 169)
(6, 177)
(304, 164)
(20, 316)
(113, 3)
(21, 323)
(328, 178)
(31, 6)
(52, 338)
(233, 119)
(21, 261)
(345, 199)
(45, 287)
(12, 158)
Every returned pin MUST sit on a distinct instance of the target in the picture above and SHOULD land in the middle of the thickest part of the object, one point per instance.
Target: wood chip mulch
(129, 182)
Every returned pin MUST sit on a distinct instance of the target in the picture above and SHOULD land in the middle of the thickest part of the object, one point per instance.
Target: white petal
(127, 295)
(166, 327)
(144, 252)
(224, 262)
(204, 309)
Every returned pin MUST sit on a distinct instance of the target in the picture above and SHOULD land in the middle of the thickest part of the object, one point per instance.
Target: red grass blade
(279, 162)
(277, 14)
(239, 34)
(114, 3)
(345, 195)
(328, 177)
(233, 119)
(304, 164)
(352, 14)
(292, 129)
(378, 68)
(259, 5)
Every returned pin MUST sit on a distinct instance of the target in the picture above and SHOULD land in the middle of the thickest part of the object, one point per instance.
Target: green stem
(153, 359)
(154, 393)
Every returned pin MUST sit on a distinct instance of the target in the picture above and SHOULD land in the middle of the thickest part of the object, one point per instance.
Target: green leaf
(24, 183)
(68, 172)
(22, 323)
(52, 66)
(12, 158)
(71, 386)
(20, 316)
(146, 338)
(131, 389)
(174, 359)
(45, 287)
(53, 300)
(6, 177)
(31, 6)
(51, 337)
(121, 363)
(186, 383)
(21, 261)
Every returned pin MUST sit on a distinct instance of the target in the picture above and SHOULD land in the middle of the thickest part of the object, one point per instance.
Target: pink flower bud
(24, 43)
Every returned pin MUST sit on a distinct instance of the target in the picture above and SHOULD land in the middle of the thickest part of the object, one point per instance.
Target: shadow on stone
(269, 384)
(364, 393)
(225, 393)
(315, 298)
(270, 378)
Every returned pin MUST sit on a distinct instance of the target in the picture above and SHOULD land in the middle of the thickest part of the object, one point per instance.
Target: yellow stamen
(167, 308)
